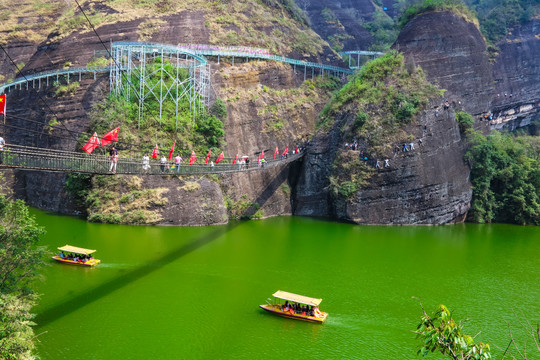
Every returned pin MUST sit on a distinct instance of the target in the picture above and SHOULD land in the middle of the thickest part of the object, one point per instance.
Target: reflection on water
(195, 292)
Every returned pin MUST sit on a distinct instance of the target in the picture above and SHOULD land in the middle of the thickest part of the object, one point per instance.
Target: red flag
(286, 150)
(155, 153)
(208, 156)
(192, 158)
(234, 161)
(110, 137)
(92, 144)
(172, 150)
(261, 155)
(275, 153)
(3, 104)
(220, 157)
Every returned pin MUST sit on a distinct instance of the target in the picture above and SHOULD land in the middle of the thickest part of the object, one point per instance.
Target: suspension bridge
(32, 158)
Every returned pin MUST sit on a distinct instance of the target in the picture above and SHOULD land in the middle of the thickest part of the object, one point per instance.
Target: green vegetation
(98, 62)
(498, 17)
(464, 120)
(441, 333)
(199, 134)
(78, 185)
(20, 260)
(122, 200)
(349, 174)
(241, 208)
(505, 174)
(385, 97)
(375, 106)
(383, 29)
(65, 90)
(455, 6)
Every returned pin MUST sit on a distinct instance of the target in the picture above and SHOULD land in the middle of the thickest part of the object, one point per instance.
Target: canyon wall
(430, 184)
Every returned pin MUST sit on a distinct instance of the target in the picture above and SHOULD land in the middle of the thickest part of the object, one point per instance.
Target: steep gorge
(268, 106)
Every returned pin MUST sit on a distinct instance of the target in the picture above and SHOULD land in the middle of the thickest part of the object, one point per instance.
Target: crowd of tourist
(299, 309)
(82, 258)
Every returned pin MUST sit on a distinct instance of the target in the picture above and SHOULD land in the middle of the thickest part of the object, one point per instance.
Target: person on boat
(286, 305)
(62, 255)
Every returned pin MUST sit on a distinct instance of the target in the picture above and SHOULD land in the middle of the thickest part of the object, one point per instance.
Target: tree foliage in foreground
(441, 333)
(505, 174)
(16, 334)
(20, 259)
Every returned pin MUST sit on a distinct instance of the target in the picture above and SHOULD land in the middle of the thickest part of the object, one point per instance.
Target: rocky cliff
(268, 105)
(516, 72)
(428, 185)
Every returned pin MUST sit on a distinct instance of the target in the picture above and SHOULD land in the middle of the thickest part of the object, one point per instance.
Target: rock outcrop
(452, 52)
(430, 184)
(516, 72)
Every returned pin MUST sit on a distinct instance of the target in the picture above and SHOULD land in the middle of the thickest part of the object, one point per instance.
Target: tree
(19, 257)
(442, 333)
(16, 334)
(505, 175)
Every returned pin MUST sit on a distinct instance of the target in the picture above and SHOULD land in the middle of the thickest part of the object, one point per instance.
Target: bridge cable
(38, 94)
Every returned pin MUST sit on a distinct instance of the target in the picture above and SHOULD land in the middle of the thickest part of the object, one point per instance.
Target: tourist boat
(279, 309)
(70, 252)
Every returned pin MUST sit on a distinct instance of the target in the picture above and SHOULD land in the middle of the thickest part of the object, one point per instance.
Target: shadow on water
(65, 308)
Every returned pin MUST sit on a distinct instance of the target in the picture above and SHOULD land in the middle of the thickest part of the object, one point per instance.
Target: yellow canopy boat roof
(297, 298)
(76, 250)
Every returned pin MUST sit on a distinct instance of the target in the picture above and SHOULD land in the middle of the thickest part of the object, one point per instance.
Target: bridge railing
(31, 158)
(51, 73)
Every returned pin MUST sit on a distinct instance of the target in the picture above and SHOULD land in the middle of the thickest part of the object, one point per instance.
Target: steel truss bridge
(32, 158)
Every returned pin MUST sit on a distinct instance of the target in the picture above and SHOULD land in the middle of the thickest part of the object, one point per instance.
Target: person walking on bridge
(177, 162)
(114, 159)
(2, 144)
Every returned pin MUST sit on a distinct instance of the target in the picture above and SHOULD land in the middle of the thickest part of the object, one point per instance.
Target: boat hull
(276, 309)
(92, 262)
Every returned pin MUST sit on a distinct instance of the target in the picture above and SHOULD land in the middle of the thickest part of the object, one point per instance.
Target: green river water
(194, 293)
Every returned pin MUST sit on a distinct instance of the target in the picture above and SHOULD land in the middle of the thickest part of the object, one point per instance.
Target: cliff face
(428, 185)
(341, 21)
(516, 72)
(452, 52)
(263, 113)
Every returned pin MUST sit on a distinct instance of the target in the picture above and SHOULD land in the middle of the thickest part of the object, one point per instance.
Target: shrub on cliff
(385, 96)
(456, 6)
(505, 174)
